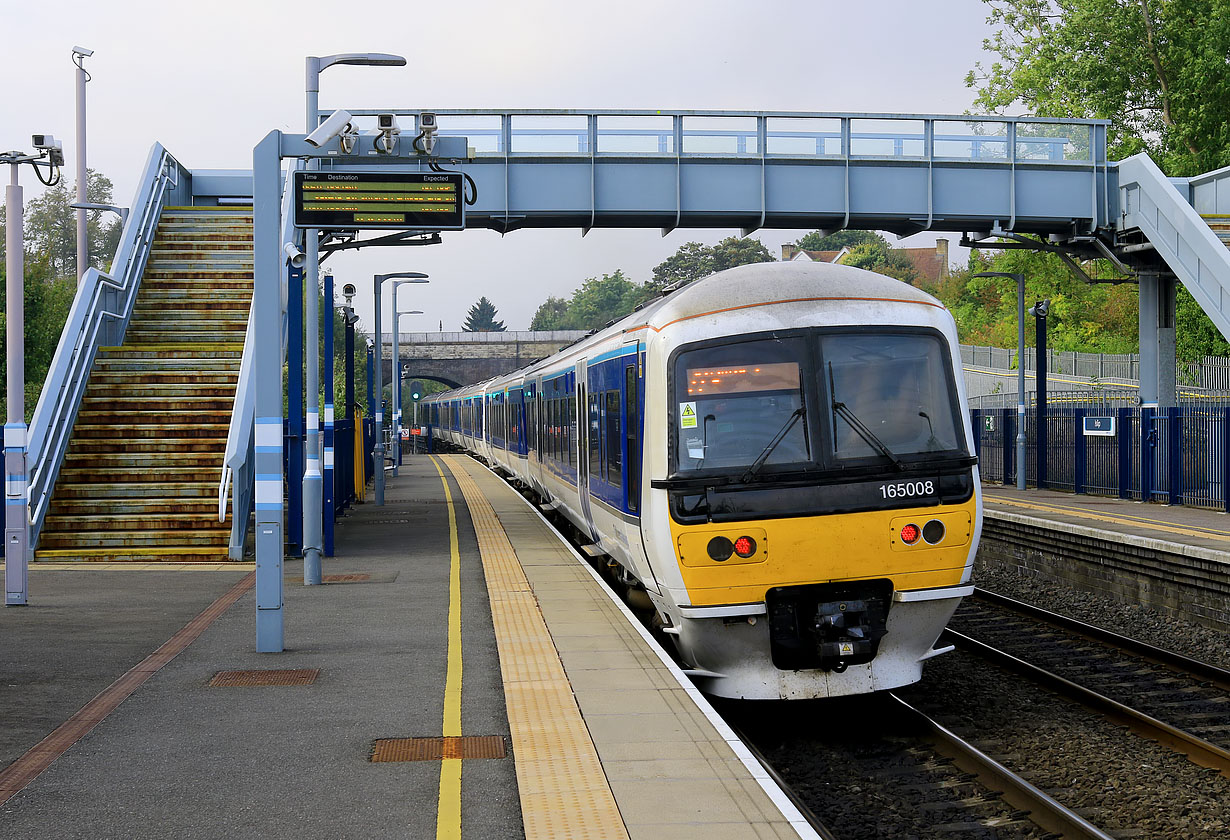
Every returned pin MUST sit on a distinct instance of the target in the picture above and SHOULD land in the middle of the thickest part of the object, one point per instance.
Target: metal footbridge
(1036, 183)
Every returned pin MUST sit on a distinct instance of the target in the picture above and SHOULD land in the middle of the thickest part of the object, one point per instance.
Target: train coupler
(827, 626)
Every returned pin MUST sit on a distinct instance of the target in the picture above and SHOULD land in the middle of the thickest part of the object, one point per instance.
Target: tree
(481, 318)
(550, 315)
(51, 226)
(817, 241)
(1089, 318)
(595, 304)
(1156, 68)
(693, 260)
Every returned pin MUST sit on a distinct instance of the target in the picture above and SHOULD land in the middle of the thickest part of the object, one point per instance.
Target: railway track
(885, 769)
(1174, 700)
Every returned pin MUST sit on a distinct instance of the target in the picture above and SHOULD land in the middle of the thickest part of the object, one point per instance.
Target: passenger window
(632, 412)
(614, 456)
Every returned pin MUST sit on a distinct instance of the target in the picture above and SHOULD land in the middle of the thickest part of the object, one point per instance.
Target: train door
(581, 447)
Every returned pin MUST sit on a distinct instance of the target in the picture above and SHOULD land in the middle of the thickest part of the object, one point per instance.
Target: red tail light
(745, 546)
(910, 534)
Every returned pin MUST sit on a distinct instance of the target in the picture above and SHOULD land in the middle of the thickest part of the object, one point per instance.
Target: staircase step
(137, 523)
(135, 445)
(183, 445)
(140, 460)
(113, 506)
(163, 303)
(136, 539)
(156, 430)
(169, 554)
(123, 388)
(141, 489)
(134, 359)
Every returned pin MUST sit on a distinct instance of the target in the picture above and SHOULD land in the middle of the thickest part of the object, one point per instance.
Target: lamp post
(1020, 369)
(378, 448)
(396, 371)
(312, 477)
(16, 461)
(1040, 310)
(80, 54)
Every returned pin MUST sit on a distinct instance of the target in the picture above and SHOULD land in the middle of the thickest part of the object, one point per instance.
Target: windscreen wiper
(777, 438)
(868, 436)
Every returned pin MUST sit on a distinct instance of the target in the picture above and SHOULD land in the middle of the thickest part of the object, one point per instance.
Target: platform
(482, 636)
(1172, 558)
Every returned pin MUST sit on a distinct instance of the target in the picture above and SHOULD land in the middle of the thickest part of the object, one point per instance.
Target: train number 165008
(906, 489)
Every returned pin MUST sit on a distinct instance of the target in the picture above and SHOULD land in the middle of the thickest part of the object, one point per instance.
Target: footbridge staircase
(150, 400)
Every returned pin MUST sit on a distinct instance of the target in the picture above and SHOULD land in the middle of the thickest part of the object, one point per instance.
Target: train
(774, 462)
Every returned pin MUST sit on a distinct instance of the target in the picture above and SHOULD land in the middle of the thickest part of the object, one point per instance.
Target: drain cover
(288, 676)
(435, 749)
(347, 578)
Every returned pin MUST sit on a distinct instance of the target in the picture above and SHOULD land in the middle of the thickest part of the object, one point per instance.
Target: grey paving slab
(181, 759)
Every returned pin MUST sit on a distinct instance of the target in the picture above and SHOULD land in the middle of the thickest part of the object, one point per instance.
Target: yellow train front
(816, 507)
(776, 457)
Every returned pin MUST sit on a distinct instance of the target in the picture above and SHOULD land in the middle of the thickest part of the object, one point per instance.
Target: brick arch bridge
(463, 358)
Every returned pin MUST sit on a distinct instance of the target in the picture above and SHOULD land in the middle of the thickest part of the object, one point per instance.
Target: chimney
(941, 251)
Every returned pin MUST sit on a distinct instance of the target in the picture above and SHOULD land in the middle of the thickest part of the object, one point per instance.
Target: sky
(208, 80)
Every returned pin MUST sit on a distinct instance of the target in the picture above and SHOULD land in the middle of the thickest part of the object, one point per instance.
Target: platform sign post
(266, 310)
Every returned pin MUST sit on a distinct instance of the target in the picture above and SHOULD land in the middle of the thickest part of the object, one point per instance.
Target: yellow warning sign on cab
(687, 415)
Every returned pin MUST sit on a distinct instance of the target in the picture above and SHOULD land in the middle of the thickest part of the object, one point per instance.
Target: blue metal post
(1175, 461)
(1125, 453)
(1006, 417)
(328, 491)
(1225, 458)
(294, 412)
(369, 422)
(267, 312)
(1148, 446)
(1078, 432)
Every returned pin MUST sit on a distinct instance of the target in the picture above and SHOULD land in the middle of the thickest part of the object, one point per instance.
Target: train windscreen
(735, 400)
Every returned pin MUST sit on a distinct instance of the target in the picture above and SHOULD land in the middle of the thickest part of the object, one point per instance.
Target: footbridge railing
(98, 317)
(1152, 203)
(898, 172)
(238, 479)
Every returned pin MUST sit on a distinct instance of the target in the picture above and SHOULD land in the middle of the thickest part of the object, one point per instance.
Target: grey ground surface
(181, 759)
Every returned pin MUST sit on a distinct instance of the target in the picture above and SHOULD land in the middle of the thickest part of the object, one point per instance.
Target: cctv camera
(337, 123)
(427, 122)
(348, 290)
(296, 257)
(388, 123)
(44, 141)
(83, 52)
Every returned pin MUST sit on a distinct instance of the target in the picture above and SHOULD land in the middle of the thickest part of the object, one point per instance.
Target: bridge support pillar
(1157, 340)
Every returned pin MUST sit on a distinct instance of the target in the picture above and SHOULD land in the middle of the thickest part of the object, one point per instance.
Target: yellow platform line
(448, 813)
(1152, 524)
(564, 791)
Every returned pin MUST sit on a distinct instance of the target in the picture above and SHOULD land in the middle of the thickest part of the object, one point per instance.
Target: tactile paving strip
(564, 791)
(284, 676)
(436, 749)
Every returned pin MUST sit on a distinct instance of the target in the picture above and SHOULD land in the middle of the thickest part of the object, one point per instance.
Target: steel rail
(1197, 750)
(785, 787)
(1159, 656)
(1043, 810)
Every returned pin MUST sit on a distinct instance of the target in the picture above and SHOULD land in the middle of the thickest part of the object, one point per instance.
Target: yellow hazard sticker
(687, 415)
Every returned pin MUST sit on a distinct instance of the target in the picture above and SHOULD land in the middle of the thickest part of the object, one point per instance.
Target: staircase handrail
(1152, 203)
(102, 299)
(236, 474)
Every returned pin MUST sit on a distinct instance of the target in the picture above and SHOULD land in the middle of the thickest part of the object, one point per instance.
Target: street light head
(83, 52)
(411, 312)
(367, 59)
(413, 276)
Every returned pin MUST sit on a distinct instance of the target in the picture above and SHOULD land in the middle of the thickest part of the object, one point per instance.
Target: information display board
(379, 200)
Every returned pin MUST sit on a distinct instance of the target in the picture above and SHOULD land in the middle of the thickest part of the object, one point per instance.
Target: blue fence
(1178, 455)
